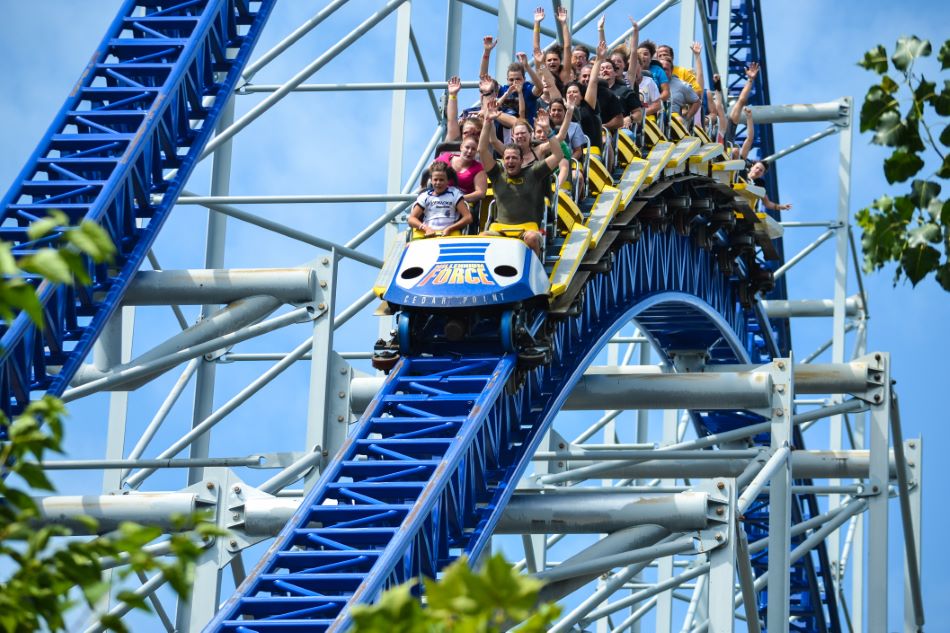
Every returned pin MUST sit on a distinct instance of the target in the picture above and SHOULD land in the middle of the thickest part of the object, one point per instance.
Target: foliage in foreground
(463, 600)
(44, 578)
(912, 229)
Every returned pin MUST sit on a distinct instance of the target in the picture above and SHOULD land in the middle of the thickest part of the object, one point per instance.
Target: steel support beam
(836, 111)
(878, 516)
(780, 497)
(780, 309)
(551, 512)
(197, 287)
(719, 387)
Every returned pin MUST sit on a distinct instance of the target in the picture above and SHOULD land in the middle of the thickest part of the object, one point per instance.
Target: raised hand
(538, 57)
(490, 109)
(601, 22)
(488, 43)
(752, 71)
(522, 59)
(454, 85)
(696, 48)
(601, 52)
(543, 119)
(561, 14)
(486, 84)
(539, 15)
(633, 24)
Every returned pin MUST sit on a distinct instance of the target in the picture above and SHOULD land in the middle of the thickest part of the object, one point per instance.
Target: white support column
(664, 603)
(453, 39)
(913, 450)
(839, 308)
(507, 27)
(879, 431)
(327, 414)
(722, 569)
(856, 560)
(687, 31)
(122, 327)
(723, 26)
(780, 497)
(397, 125)
(602, 625)
(193, 614)
(114, 347)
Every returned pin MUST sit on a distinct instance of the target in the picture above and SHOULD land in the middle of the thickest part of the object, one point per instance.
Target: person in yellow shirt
(686, 75)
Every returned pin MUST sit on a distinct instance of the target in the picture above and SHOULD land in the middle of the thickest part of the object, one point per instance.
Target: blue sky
(337, 143)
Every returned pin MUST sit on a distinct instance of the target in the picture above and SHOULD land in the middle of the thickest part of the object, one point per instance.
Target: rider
(519, 191)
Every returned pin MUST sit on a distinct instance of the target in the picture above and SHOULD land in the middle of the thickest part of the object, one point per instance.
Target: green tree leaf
(49, 263)
(875, 59)
(91, 239)
(919, 261)
(921, 235)
(942, 103)
(901, 165)
(944, 171)
(876, 103)
(908, 49)
(889, 128)
(945, 136)
(944, 56)
(926, 91)
(922, 192)
(47, 225)
(943, 273)
(888, 85)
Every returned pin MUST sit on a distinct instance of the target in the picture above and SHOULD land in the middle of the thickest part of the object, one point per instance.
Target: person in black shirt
(629, 99)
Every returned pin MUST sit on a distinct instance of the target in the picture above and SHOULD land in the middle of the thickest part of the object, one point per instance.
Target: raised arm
(554, 158)
(535, 78)
(518, 87)
(698, 65)
(720, 110)
(538, 19)
(633, 65)
(751, 73)
(452, 129)
(749, 135)
(566, 72)
(489, 114)
(566, 123)
(590, 96)
(488, 43)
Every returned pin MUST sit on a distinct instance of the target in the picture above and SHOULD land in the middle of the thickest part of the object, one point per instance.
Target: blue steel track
(118, 153)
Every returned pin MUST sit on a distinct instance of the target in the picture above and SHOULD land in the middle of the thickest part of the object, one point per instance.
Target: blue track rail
(440, 450)
(118, 153)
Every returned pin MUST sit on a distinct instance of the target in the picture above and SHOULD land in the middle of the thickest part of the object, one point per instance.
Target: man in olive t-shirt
(519, 192)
